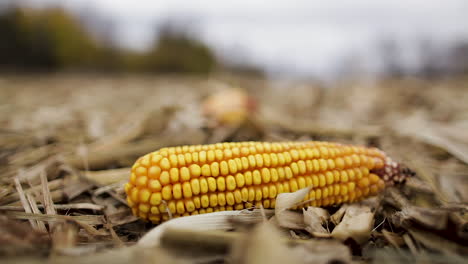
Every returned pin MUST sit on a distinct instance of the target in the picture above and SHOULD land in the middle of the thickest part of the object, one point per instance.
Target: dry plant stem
(87, 219)
(86, 206)
(53, 185)
(24, 202)
(35, 210)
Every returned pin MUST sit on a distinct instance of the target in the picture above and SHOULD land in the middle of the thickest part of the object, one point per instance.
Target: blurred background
(296, 39)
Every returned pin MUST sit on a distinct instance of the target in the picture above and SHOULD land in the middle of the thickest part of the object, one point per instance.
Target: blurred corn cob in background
(187, 180)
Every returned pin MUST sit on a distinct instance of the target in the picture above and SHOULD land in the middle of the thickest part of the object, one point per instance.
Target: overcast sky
(297, 36)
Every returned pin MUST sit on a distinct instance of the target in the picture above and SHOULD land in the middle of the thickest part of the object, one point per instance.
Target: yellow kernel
(274, 159)
(259, 147)
(356, 160)
(336, 191)
(272, 191)
(337, 175)
(265, 191)
(154, 172)
(372, 177)
(288, 172)
(206, 170)
(173, 160)
(257, 178)
(187, 190)
(238, 196)
(244, 194)
(221, 183)
(316, 165)
(248, 178)
(144, 209)
(322, 180)
(190, 206)
(224, 168)
(258, 194)
(266, 176)
(164, 178)
(344, 189)
(230, 182)
(184, 174)
(294, 168)
(154, 210)
(155, 158)
(318, 194)
(245, 162)
(251, 194)
(174, 174)
(210, 156)
(230, 198)
(211, 184)
(279, 188)
(293, 185)
(227, 153)
(331, 164)
(351, 174)
(141, 181)
(203, 185)
(315, 180)
(351, 186)
(240, 180)
(244, 151)
(302, 166)
(239, 206)
(181, 160)
(287, 157)
(140, 171)
(232, 166)
(180, 208)
(133, 178)
(274, 175)
(128, 187)
(195, 170)
(202, 156)
(163, 208)
(330, 177)
(281, 159)
(286, 187)
(195, 156)
(266, 160)
(323, 164)
(166, 193)
(171, 205)
(155, 199)
(165, 164)
(324, 193)
(188, 158)
(238, 164)
(323, 152)
(221, 199)
(281, 173)
(252, 162)
(339, 163)
(144, 195)
(213, 200)
(312, 195)
(196, 202)
(210, 210)
(316, 152)
(259, 160)
(308, 180)
(219, 154)
(294, 154)
(205, 201)
(364, 182)
(177, 191)
(214, 169)
(348, 161)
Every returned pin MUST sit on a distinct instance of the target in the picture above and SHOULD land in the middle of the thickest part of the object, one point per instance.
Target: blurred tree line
(53, 40)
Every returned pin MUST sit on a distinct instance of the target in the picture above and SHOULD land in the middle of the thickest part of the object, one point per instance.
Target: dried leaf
(357, 224)
(285, 201)
(314, 218)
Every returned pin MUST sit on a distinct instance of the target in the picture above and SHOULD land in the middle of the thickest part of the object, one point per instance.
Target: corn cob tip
(393, 172)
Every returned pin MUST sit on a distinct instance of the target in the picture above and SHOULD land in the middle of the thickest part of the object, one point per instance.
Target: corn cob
(188, 180)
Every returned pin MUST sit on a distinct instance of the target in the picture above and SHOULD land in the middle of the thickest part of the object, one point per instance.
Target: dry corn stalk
(188, 180)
